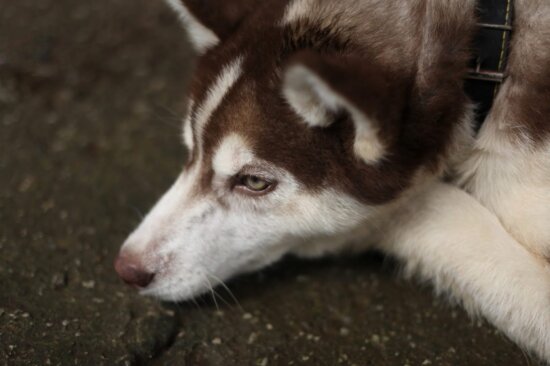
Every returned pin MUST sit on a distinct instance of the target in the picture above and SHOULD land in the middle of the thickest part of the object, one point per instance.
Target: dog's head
(296, 129)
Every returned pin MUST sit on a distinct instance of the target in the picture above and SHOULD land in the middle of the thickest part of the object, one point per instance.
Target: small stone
(252, 337)
(263, 362)
(88, 284)
(247, 316)
(64, 323)
(302, 278)
(427, 362)
(26, 184)
(269, 326)
(305, 358)
(344, 331)
(375, 338)
(59, 280)
(216, 341)
(170, 312)
(342, 358)
(25, 315)
(47, 205)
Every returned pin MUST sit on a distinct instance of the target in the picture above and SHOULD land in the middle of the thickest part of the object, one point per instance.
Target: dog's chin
(174, 291)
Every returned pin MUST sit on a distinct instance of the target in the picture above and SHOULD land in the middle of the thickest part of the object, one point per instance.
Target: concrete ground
(90, 97)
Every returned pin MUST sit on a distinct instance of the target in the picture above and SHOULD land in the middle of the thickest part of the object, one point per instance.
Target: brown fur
(223, 17)
(523, 103)
(418, 101)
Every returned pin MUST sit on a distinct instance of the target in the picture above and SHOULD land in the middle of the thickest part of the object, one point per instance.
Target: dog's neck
(491, 44)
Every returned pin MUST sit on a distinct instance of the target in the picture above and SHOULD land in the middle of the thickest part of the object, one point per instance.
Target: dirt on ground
(91, 94)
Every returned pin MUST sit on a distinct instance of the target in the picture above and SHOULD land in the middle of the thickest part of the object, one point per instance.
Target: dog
(317, 126)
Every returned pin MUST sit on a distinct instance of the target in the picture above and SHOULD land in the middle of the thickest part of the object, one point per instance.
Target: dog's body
(316, 126)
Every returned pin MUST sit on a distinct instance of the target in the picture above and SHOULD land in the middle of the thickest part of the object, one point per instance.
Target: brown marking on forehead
(304, 34)
(257, 31)
(317, 157)
(262, 20)
(422, 122)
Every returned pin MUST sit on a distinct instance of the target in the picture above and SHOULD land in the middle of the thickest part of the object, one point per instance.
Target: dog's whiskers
(212, 292)
(137, 211)
(223, 284)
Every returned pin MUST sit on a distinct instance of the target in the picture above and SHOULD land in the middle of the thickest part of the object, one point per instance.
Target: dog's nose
(131, 271)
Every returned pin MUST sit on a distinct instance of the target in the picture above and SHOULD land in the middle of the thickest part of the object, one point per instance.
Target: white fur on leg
(513, 181)
(449, 238)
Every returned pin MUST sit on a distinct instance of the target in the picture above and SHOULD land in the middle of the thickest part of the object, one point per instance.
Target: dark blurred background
(91, 94)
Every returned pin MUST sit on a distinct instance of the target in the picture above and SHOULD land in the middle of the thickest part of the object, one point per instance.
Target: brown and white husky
(316, 126)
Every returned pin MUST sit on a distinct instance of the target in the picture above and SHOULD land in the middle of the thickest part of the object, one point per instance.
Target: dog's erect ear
(319, 88)
(209, 22)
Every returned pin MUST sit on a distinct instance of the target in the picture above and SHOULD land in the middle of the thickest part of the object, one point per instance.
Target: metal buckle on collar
(485, 75)
(488, 75)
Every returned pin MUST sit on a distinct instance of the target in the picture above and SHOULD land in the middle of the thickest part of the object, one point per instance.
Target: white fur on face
(231, 156)
(316, 102)
(201, 37)
(188, 128)
(191, 241)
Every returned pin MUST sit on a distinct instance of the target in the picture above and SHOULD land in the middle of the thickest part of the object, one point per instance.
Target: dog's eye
(254, 184)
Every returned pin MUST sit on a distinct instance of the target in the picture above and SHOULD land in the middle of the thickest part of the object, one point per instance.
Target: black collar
(491, 44)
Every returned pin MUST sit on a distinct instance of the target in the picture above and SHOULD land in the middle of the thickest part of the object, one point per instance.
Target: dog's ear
(320, 88)
(209, 22)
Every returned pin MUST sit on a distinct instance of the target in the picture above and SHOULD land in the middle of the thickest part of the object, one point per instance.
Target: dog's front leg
(447, 237)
